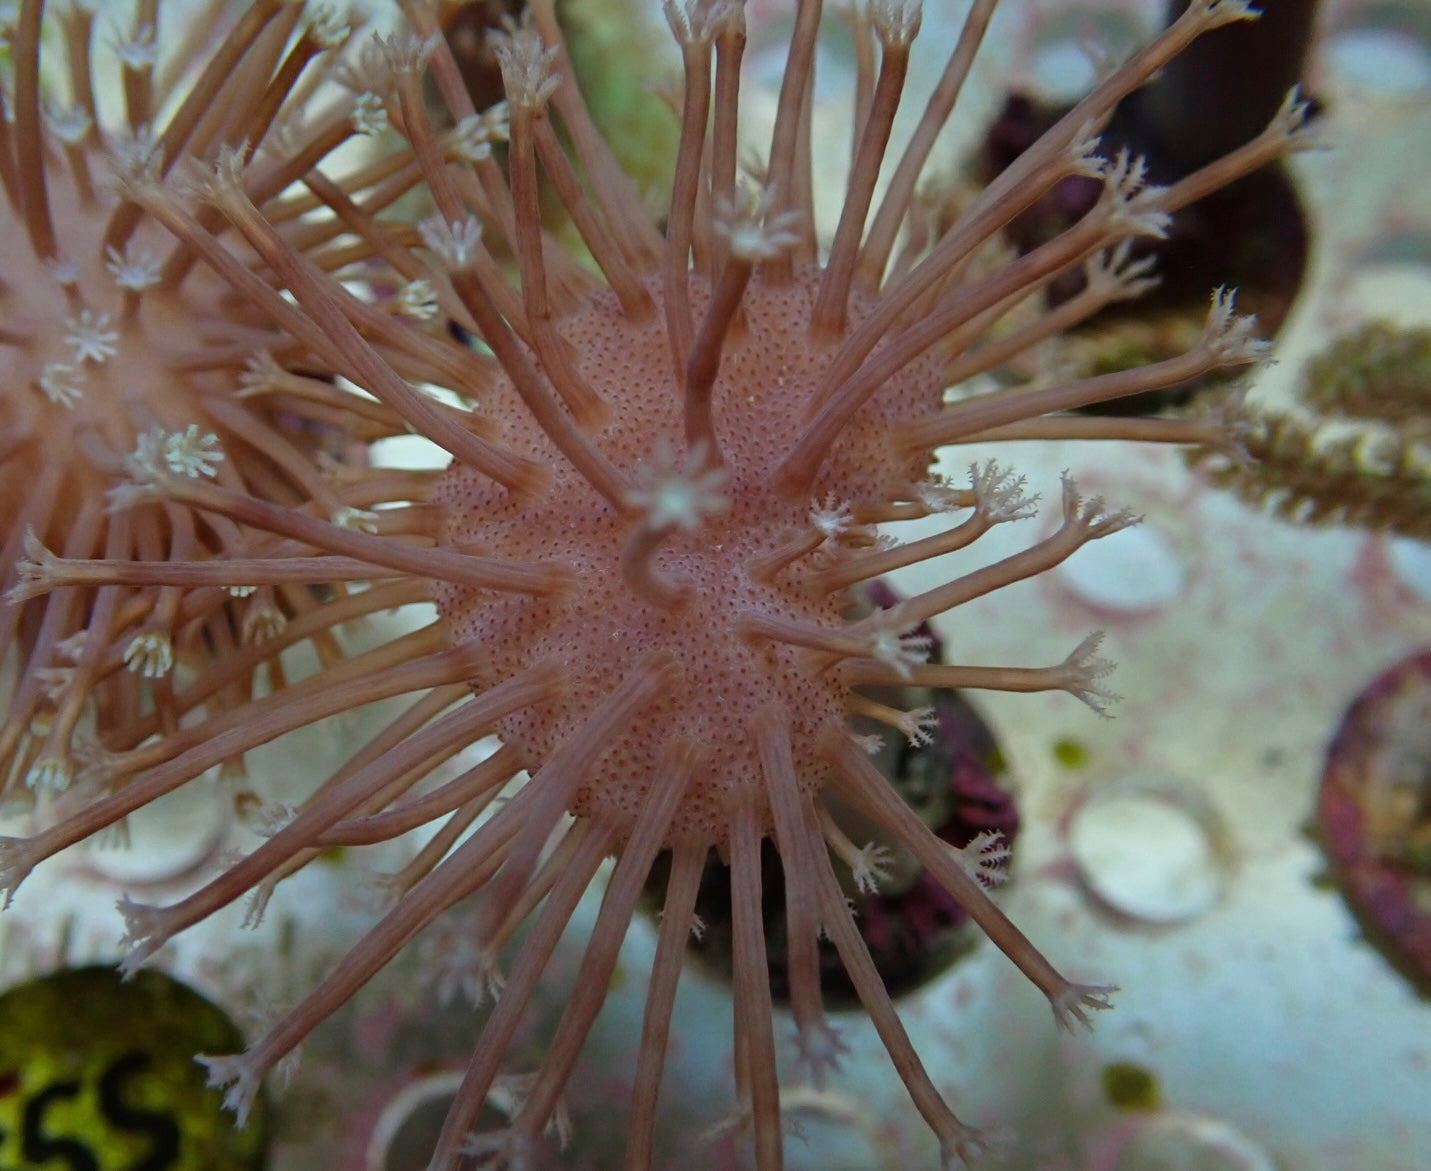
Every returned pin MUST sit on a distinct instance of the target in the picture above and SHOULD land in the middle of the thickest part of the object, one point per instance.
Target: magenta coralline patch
(1374, 813)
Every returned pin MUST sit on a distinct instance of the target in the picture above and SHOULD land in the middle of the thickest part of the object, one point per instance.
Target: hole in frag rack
(1150, 849)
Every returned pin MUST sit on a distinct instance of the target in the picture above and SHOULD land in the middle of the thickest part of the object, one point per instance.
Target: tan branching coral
(1356, 450)
(664, 492)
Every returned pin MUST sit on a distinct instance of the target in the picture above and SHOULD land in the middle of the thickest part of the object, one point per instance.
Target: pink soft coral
(645, 549)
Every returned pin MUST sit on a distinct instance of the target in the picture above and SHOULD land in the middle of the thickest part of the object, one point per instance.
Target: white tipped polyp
(407, 52)
(138, 52)
(903, 652)
(327, 27)
(960, 1149)
(820, 1048)
(261, 622)
(999, 493)
(984, 858)
(697, 22)
(358, 520)
(1219, 12)
(454, 242)
(917, 726)
(135, 268)
(1113, 275)
(69, 124)
(1230, 338)
(831, 518)
(50, 772)
(870, 866)
(752, 228)
(370, 115)
(191, 453)
(1290, 121)
(62, 383)
(237, 1072)
(418, 299)
(472, 138)
(150, 654)
(1089, 516)
(526, 65)
(1081, 671)
(90, 338)
(1073, 1002)
(896, 22)
(144, 933)
(675, 497)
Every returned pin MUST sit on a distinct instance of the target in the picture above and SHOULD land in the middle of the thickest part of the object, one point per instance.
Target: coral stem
(532, 960)
(442, 564)
(894, 207)
(455, 730)
(29, 135)
(827, 318)
(863, 783)
(677, 914)
(954, 1135)
(585, 406)
(677, 764)
(755, 1041)
(200, 100)
(704, 361)
(675, 269)
(239, 730)
(973, 416)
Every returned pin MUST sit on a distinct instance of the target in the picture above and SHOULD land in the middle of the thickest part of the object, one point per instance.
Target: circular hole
(1130, 1086)
(1405, 246)
(1063, 71)
(1190, 1142)
(1134, 571)
(835, 1129)
(408, 1126)
(1150, 850)
(1068, 41)
(1411, 561)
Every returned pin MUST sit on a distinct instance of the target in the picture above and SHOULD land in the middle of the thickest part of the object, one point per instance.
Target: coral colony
(118, 351)
(678, 450)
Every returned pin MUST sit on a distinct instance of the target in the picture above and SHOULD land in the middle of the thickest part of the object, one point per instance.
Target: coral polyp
(711, 536)
(679, 453)
(118, 349)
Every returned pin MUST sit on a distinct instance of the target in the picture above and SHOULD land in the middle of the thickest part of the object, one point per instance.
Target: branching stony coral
(660, 506)
(118, 351)
(1355, 452)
